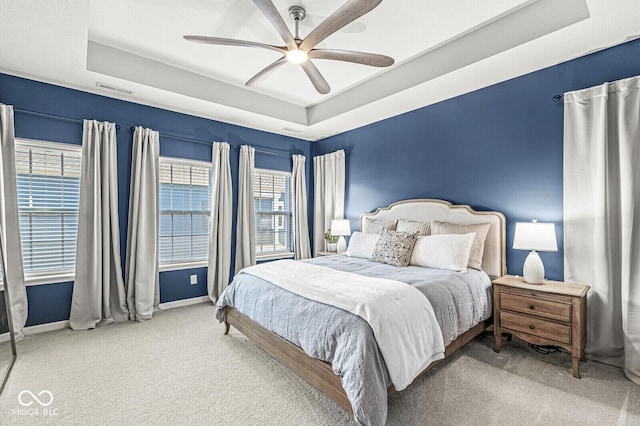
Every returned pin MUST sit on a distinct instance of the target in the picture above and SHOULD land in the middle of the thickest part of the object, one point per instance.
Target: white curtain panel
(141, 270)
(98, 291)
(328, 174)
(602, 216)
(246, 221)
(220, 222)
(301, 243)
(9, 223)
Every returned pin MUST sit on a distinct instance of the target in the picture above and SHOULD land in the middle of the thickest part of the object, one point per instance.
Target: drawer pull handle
(532, 326)
(532, 306)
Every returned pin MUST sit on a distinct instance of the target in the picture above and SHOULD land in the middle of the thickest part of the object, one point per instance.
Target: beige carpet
(178, 369)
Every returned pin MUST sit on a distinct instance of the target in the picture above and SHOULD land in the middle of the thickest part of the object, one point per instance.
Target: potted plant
(332, 240)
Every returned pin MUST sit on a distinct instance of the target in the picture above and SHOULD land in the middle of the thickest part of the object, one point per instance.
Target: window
(185, 203)
(48, 184)
(272, 200)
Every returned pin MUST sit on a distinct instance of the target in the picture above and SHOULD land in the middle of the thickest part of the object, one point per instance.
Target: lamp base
(533, 271)
(342, 245)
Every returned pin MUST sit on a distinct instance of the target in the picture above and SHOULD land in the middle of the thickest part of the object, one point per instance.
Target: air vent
(289, 129)
(113, 88)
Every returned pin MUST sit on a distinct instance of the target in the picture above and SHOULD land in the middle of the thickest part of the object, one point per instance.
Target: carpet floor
(179, 369)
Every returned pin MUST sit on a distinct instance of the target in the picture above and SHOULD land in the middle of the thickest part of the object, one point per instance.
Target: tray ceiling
(441, 50)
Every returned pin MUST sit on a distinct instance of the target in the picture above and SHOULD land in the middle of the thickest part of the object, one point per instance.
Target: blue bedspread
(345, 340)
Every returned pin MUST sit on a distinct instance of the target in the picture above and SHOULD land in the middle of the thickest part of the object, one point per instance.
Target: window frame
(281, 254)
(184, 264)
(49, 277)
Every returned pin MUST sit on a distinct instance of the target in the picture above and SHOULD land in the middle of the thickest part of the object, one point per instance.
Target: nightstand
(326, 253)
(551, 313)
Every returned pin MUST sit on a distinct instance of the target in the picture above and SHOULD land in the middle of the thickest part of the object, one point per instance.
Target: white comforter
(401, 317)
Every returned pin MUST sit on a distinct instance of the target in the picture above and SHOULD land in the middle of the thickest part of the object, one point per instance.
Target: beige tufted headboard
(425, 210)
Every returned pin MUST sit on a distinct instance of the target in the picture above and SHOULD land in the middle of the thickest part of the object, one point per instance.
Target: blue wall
(52, 302)
(498, 148)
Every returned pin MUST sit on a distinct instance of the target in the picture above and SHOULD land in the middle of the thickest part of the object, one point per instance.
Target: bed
(336, 350)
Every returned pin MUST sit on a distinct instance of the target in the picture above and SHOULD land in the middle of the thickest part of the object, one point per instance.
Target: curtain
(301, 244)
(602, 216)
(9, 223)
(141, 270)
(328, 174)
(246, 220)
(98, 291)
(220, 222)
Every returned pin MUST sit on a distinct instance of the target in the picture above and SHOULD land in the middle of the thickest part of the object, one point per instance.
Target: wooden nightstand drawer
(559, 309)
(536, 327)
(551, 313)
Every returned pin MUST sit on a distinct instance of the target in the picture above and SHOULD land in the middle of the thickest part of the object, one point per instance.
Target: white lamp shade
(535, 236)
(340, 227)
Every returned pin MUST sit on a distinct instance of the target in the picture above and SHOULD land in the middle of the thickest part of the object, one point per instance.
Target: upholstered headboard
(425, 210)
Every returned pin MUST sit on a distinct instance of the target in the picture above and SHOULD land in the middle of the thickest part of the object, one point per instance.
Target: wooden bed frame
(320, 373)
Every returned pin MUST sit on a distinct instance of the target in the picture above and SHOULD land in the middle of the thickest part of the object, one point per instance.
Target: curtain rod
(281, 154)
(57, 117)
(274, 151)
(557, 98)
(182, 138)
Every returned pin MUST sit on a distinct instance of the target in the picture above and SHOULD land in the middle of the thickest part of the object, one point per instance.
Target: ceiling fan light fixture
(302, 51)
(297, 56)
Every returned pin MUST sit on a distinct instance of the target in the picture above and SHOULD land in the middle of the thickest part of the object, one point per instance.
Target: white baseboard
(184, 302)
(40, 328)
(59, 325)
(43, 328)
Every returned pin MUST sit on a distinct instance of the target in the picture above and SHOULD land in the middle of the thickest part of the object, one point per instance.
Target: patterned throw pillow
(375, 226)
(394, 248)
(413, 227)
(477, 249)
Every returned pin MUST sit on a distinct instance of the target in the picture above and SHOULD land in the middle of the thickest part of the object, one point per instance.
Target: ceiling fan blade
(364, 58)
(266, 72)
(348, 13)
(232, 42)
(316, 78)
(272, 14)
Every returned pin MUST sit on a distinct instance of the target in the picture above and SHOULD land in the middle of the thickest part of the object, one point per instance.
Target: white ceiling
(441, 50)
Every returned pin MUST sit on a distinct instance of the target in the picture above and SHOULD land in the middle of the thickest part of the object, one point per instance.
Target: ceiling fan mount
(297, 13)
(302, 51)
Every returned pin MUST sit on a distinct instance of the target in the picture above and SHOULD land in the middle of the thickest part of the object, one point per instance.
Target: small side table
(326, 253)
(551, 313)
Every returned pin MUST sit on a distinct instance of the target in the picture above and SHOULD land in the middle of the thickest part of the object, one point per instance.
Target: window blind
(273, 211)
(48, 184)
(185, 204)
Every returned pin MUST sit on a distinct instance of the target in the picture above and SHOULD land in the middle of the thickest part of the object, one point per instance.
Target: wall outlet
(194, 279)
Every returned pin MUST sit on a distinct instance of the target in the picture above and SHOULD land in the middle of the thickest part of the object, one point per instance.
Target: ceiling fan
(301, 51)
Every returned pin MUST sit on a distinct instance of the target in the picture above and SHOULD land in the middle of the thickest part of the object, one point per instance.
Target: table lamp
(340, 227)
(536, 237)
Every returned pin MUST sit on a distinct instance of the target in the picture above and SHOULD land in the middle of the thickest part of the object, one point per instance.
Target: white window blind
(273, 210)
(48, 184)
(185, 204)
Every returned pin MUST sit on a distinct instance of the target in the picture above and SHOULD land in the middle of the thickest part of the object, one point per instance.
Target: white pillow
(413, 227)
(477, 249)
(376, 226)
(443, 251)
(362, 244)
